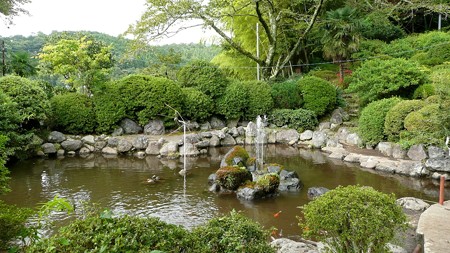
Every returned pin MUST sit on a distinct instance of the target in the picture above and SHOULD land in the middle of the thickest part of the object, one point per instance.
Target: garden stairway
(352, 108)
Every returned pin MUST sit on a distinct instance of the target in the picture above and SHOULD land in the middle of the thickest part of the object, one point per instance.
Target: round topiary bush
(286, 95)
(231, 177)
(259, 101)
(73, 113)
(233, 103)
(300, 119)
(204, 76)
(353, 219)
(319, 95)
(377, 79)
(197, 105)
(372, 118)
(110, 107)
(395, 117)
(232, 233)
(424, 91)
(122, 234)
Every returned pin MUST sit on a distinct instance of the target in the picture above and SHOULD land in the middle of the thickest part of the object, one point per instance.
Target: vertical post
(3, 59)
(257, 51)
(439, 21)
(441, 190)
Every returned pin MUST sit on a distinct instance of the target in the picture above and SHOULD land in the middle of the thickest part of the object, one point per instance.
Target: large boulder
(385, 148)
(417, 152)
(235, 156)
(153, 148)
(169, 149)
(124, 146)
(109, 151)
(436, 152)
(398, 152)
(71, 145)
(290, 185)
(249, 193)
(140, 142)
(306, 135)
(288, 136)
(56, 137)
(413, 204)
(438, 164)
(284, 245)
(353, 139)
(154, 127)
(190, 149)
(232, 177)
(228, 141)
(319, 139)
(130, 127)
(315, 192)
(88, 139)
(217, 123)
(48, 148)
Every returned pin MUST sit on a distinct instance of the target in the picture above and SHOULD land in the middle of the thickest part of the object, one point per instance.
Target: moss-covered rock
(236, 156)
(231, 177)
(268, 183)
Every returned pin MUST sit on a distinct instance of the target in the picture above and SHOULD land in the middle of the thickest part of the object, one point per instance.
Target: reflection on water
(120, 184)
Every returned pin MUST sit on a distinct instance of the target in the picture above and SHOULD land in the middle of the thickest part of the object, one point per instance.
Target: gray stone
(192, 126)
(218, 133)
(215, 187)
(232, 123)
(140, 142)
(192, 138)
(214, 141)
(113, 142)
(241, 130)
(130, 127)
(395, 248)
(169, 149)
(71, 153)
(84, 151)
(124, 146)
(285, 174)
(306, 135)
(154, 127)
(250, 133)
(436, 152)
(315, 192)
(48, 148)
(411, 168)
(228, 141)
(398, 152)
(287, 136)
(118, 132)
(56, 137)
(438, 164)
(248, 193)
(139, 154)
(353, 158)
(413, 204)
(217, 123)
(91, 148)
(386, 166)
(202, 144)
(338, 153)
(71, 145)
(190, 149)
(284, 245)
(333, 143)
(212, 178)
(240, 140)
(205, 135)
(88, 139)
(370, 163)
(417, 152)
(319, 139)
(60, 153)
(353, 139)
(153, 148)
(205, 126)
(324, 125)
(290, 185)
(109, 151)
(342, 134)
(99, 145)
(273, 168)
(233, 132)
(336, 117)
(40, 153)
(385, 148)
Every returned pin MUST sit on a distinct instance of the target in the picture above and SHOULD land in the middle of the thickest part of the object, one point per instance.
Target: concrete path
(434, 226)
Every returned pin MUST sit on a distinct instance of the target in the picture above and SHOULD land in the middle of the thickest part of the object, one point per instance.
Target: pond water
(120, 185)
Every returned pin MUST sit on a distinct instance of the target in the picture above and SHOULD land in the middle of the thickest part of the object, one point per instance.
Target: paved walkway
(434, 225)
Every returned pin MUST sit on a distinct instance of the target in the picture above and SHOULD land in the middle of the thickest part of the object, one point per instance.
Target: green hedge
(73, 113)
(319, 95)
(300, 119)
(286, 95)
(395, 117)
(233, 103)
(371, 121)
(377, 79)
(424, 91)
(197, 106)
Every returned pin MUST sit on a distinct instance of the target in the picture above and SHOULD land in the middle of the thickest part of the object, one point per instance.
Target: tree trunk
(341, 73)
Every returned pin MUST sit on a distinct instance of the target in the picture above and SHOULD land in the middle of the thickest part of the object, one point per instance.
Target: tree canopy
(11, 8)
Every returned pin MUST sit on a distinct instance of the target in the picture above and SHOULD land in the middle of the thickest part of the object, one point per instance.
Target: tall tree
(11, 8)
(341, 36)
(20, 63)
(275, 17)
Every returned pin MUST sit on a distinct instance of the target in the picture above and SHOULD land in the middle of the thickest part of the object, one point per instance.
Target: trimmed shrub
(232, 233)
(286, 95)
(395, 117)
(231, 177)
(204, 76)
(32, 103)
(353, 219)
(441, 79)
(319, 95)
(424, 91)
(9, 123)
(110, 106)
(12, 223)
(122, 234)
(369, 48)
(73, 113)
(4, 172)
(197, 105)
(371, 121)
(300, 119)
(234, 102)
(377, 79)
(377, 26)
(259, 100)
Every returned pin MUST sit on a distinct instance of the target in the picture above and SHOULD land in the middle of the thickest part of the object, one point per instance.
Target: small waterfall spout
(259, 141)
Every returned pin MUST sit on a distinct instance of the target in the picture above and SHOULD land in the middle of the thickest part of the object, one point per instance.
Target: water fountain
(260, 141)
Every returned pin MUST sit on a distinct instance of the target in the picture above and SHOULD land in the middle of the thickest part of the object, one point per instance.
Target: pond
(120, 185)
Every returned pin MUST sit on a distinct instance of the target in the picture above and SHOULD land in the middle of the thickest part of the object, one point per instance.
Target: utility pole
(3, 59)
(257, 51)
(440, 18)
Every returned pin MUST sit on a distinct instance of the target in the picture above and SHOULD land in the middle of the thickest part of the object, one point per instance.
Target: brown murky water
(120, 184)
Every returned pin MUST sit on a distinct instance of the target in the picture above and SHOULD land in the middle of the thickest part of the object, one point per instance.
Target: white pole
(257, 51)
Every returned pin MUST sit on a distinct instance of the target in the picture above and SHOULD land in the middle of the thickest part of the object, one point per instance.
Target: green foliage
(353, 219)
(394, 122)
(231, 177)
(319, 95)
(22, 64)
(204, 76)
(377, 79)
(424, 91)
(9, 124)
(73, 113)
(300, 119)
(12, 223)
(245, 100)
(268, 183)
(102, 233)
(369, 48)
(4, 172)
(376, 26)
(232, 233)
(286, 95)
(371, 122)
(237, 151)
(197, 105)
(110, 106)
(440, 79)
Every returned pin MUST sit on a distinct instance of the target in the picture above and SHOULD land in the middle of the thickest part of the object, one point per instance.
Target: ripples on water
(120, 185)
